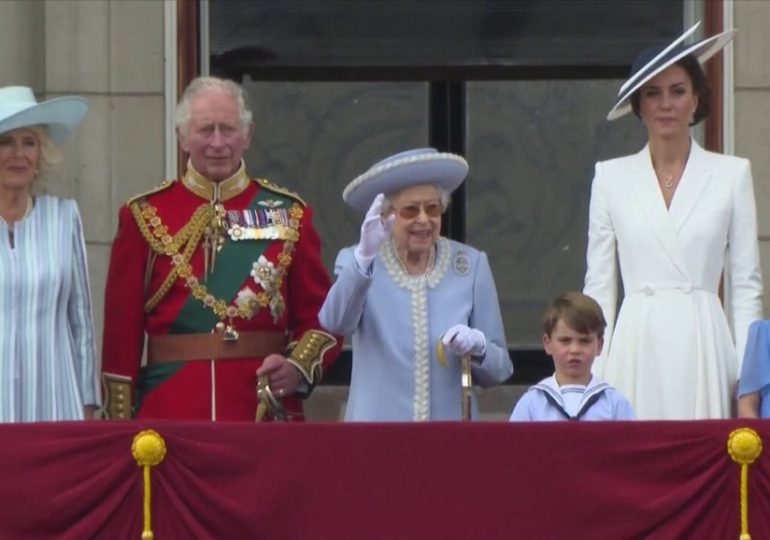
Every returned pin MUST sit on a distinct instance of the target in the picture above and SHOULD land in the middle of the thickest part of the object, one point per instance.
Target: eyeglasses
(410, 211)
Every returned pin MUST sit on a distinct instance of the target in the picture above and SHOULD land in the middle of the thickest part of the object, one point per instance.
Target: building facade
(125, 57)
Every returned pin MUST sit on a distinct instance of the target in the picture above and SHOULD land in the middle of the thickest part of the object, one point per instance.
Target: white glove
(463, 340)
(374, 231)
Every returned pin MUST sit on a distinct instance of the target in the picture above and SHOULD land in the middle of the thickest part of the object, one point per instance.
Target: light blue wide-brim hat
(20, 109)
(403, 170)
(655, 59)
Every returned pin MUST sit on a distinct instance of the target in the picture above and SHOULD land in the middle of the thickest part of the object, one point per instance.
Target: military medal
(270, 203)
(208, 227)
(263, 272)
(214, 237)
(271, 223)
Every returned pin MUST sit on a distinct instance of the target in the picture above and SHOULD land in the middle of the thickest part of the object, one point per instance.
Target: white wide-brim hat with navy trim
(20, 109)
(403, 170)
(654, 60)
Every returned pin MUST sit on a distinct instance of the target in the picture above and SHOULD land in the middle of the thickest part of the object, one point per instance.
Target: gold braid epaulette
(267, 184)
(164, 244)
(160, 241)
(165, 184)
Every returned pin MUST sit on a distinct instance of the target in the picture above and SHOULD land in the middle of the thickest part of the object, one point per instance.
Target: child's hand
(463, 340)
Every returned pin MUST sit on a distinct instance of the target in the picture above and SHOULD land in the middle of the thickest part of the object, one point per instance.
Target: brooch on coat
(267, 276)
(461, 264)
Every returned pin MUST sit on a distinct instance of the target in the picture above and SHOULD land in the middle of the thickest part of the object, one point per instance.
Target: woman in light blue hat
(47, 354)
(411, 299)
(668, 221)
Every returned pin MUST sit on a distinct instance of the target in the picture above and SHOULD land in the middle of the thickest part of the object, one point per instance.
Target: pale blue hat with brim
(403, 170)
(20, 109)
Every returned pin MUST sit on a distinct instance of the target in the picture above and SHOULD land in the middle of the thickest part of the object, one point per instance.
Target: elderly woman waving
(404, 292)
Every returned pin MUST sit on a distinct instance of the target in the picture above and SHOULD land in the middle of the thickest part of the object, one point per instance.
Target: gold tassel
(744, 446)
(148, 450)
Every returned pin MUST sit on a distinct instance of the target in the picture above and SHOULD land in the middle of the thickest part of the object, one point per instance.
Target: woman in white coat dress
(674, 216)
(404, 288)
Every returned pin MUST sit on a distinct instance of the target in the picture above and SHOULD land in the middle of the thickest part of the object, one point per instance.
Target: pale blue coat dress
(755, 372)
(396, 321)
(47, 352)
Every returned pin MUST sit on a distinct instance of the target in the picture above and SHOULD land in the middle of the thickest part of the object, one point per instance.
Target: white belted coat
(670, 350)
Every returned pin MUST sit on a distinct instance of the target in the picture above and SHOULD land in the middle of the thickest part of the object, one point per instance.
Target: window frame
(447, 126)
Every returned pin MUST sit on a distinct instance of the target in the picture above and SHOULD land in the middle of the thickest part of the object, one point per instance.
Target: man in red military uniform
(223, 274)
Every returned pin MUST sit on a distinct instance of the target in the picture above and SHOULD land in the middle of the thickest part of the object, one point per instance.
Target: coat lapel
(691, 187)
(648, 197)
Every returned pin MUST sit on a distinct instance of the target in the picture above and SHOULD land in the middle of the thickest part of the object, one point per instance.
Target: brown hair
(700, 88)
(579, 311)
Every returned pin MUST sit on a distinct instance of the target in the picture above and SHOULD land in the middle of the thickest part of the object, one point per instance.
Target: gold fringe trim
(160, 187)
(267, 184)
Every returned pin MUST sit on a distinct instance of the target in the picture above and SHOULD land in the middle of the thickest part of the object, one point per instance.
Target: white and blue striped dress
(47, 352)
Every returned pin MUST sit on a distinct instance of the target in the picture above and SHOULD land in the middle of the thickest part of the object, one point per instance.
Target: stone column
(22, 43)
(752, 111)
(111, 52)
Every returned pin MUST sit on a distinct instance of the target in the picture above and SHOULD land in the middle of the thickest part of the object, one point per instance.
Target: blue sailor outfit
(547, 401)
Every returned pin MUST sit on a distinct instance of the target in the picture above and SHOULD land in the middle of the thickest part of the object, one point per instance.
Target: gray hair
(201, 85)
(444, 196)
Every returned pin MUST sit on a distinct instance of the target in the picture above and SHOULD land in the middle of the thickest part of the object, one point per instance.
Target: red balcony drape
(653, 480)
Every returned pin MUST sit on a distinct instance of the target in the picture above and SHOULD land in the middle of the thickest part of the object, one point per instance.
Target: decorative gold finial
(744, 446)
(148, 450)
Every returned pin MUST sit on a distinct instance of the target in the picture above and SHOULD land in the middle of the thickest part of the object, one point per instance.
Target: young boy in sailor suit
(574, 335)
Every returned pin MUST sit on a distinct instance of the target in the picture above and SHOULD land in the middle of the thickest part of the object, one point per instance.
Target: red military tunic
(163, 282)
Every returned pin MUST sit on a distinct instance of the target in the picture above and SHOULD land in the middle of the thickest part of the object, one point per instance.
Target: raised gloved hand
(464, 340)
(374, 231)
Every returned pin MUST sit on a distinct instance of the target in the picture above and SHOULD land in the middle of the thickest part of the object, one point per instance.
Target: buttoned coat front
(396, 321)
(671, 351)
